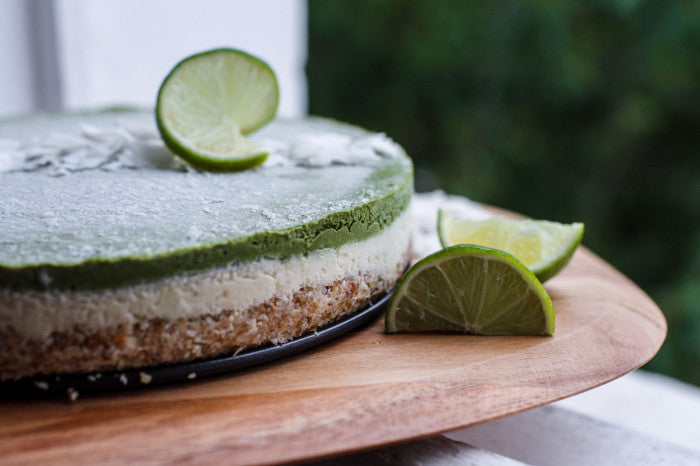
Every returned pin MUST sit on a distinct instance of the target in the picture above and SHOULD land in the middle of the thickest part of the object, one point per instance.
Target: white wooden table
(641, 418)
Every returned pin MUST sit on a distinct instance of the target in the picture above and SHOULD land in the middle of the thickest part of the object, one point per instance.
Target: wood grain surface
(362, 390)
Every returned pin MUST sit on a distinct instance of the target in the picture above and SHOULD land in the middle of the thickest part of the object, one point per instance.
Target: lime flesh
(544, 247)
(210, 101)
(470, 289)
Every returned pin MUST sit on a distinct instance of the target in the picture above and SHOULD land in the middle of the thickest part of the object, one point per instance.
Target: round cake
(115, 255)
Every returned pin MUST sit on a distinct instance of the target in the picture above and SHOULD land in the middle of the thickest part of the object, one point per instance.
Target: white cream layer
(35, 314)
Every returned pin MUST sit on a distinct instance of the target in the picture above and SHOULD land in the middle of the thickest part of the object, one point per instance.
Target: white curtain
(72, 54)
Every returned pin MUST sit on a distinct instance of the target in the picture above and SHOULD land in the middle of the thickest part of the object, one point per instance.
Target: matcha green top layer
(91, 201)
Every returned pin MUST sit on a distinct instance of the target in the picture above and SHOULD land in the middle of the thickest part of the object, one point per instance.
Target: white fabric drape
(80, 53)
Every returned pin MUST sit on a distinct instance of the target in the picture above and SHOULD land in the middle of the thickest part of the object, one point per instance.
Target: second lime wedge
(470, 289)
(210, 101)
(544, 247)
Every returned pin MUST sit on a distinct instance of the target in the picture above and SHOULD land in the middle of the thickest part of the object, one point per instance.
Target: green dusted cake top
(94, 200)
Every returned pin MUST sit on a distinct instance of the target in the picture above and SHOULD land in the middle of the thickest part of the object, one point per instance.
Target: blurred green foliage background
(586, 111)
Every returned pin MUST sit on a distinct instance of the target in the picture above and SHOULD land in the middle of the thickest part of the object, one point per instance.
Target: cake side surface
(202, 315)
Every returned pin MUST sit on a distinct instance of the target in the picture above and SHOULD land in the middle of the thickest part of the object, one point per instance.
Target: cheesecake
(116, 255)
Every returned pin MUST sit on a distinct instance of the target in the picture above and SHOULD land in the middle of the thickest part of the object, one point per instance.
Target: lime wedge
(210, 101)
(470, 289)
(544, 247)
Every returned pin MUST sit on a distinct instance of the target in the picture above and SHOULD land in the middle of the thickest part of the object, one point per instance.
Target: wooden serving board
(363, 390)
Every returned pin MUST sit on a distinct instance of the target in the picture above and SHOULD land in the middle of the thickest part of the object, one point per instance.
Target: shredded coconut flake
(72, 393)
(41, 385)
(313, 150)
(95, 148)
(145, 378)
(424, 210)
(133, 145)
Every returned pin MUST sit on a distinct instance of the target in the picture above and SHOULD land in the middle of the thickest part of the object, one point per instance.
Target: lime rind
(208, 103)
(545, 247)
(548, 269)
(442, 218)
(207, 161)
(424, 303)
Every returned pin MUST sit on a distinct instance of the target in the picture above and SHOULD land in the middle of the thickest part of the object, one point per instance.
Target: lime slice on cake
(544, 247)
(210, 101)
(470, 289)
